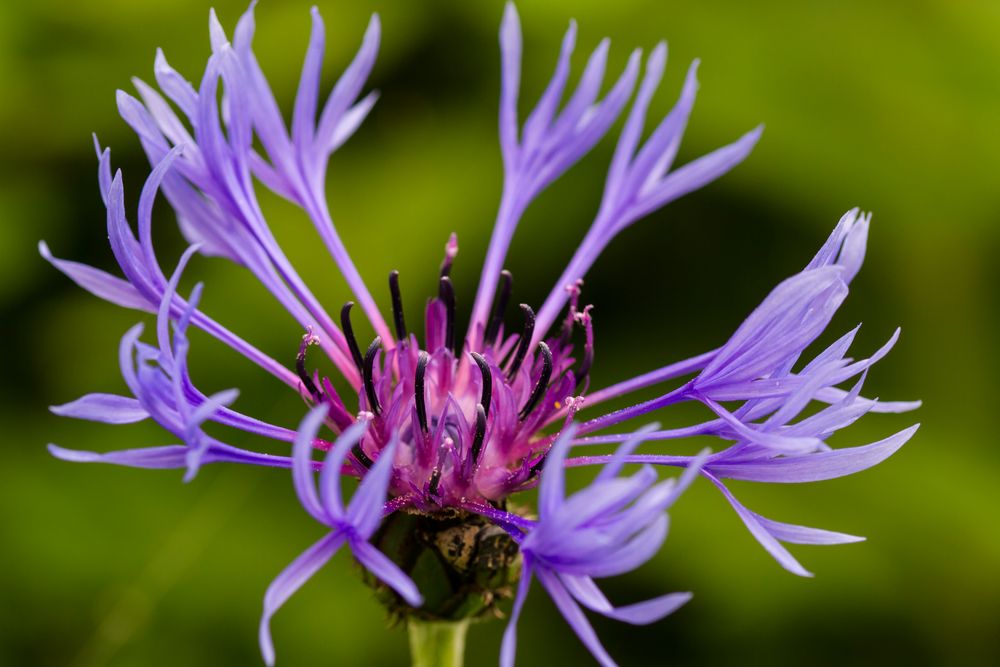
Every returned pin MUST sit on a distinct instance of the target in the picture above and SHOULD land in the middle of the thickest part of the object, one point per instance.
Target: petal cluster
(352, 524)
(611, 527)
(756, 370)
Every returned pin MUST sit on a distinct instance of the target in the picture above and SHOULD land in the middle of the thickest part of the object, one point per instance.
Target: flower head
(444, 426)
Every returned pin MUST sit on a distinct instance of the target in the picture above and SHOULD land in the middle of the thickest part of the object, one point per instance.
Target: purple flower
(448, 425)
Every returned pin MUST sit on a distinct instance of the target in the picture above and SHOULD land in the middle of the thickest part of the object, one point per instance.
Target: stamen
(367, 372)
(480, 435)
(450, 250)
(300, 366)
(360, 455)
(522, 345)
(352, 342)
(588, 347)
(484, 369)
(499, 306)
(446, 292)
(397, 305)
(543, 381)
(418, 389)
(432, 487)
(573, 290)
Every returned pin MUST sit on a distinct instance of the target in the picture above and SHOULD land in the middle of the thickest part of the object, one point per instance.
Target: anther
(543, 382)
(397, 305)
(522, 345)
(432, 487)
(446, 292)
(484, 369)
(480, 434)
(352, 342)
(300, 367)
(418, 389)
(367, 372)
(360, 455)
(499, 306)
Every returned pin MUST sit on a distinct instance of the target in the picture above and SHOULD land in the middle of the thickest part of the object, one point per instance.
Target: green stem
(437, 643)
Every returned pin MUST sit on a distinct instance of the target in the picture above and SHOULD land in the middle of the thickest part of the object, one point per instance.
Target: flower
(445, 431)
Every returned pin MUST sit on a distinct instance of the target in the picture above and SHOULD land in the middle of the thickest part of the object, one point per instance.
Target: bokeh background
(894, 107)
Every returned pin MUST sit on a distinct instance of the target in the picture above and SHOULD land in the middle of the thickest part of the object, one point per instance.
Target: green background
(891, 106)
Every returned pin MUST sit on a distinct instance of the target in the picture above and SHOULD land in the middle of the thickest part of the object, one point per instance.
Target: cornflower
(442, 431)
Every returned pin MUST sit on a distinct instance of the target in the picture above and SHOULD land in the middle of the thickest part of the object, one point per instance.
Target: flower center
(470, 422)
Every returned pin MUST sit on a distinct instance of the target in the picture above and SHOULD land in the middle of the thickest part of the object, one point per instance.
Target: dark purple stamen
(366, 374)
(543, 381)
(522, 345)
(360, 456)
(418, 389)
(499, 306)
(480, 435)
(397, 305)
(484, 368)
(352, 342)
(300, 368)
(446, 292)
(432, 488)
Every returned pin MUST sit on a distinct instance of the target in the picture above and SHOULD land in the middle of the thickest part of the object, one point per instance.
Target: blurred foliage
(891, 106)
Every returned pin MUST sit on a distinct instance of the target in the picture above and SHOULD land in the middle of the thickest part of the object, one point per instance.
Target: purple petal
(97, 282)
(171, 456)
(617, 462)
(216, 32)
(659, 151)
(760, 532)
(351, 121)
(642, 613)
(329, 481)
(365, 509)
(168, 122)
(176, 87)
(793, 534)
(510, 83)
(348, 87)
(107, 408)
(508, 649)
(775, 441)
(289, 581)
(815, 467)
(386, 571)
(302, 471)
(552, 489)
(571, 612)
(618, 173)
(540, 118)
(790, 317)
(693, 175)
(103, 169)
(629, 555)
(125, 247)
(649, 611)
(304, 115)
